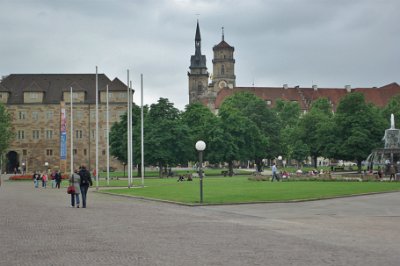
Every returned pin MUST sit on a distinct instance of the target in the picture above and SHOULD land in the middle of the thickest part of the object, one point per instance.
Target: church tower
(223, 66)
(198, 75)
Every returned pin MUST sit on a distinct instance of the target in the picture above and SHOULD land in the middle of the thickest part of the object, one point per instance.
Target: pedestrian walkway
(38, 227)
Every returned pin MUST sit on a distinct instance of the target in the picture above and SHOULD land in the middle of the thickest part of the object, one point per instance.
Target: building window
(93, 133)
(24, 152)
(21, 134)
(104, 152)
(75, 151)
(92, 115)
(78, 134)
(1, 95)
(49, 115)
(84, 152)
(22, 115)
(35, 116)
(35, 134)
(49, 152)
(49, 134)
(122, 95)
(34, 95)
(223, 70)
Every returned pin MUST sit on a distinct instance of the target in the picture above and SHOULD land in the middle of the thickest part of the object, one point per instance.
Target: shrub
(29, 177)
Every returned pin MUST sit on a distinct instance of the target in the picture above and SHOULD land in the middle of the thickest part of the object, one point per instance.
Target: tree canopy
(7, 133)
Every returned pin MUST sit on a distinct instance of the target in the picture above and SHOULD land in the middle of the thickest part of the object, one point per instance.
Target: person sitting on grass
(189, 177)
(181, 178)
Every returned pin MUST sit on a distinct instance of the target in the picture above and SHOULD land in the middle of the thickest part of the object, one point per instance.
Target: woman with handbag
(74, 188)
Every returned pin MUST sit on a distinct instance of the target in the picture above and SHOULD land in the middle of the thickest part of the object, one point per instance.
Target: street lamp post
(280, 161)
(46, 164)
(200, 147)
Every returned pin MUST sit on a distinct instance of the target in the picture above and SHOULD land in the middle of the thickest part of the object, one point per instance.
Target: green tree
(119, 137)
(7, 133)
(313, 128)
(359, 128)
(201, 122)
(250, 126)
(288, 117)
(392, 107)
(167, 138)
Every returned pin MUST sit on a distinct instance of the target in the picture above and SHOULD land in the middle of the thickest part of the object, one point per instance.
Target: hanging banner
(63, 135)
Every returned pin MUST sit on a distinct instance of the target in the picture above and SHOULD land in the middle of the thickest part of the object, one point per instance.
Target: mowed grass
(238, 189)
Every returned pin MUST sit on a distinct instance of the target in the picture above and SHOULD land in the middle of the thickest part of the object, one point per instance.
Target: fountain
(390, 154)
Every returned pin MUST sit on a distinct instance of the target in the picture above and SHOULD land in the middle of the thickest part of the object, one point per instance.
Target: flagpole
(127, 125)
(108, 140)
(72, 135)
(97, 131)
(131, 129)
(141, 128)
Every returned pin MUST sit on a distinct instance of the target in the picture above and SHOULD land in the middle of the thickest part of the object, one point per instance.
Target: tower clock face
(222, 84)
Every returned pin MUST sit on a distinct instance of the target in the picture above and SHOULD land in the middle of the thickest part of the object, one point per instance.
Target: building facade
(38, 104)
(223, 83)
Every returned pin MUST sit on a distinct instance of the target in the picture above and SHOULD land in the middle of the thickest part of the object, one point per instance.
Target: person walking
(75, 180)
(44, 180)
(36, 178)
(57, 177)
(274, 173)
(85, 182)
(53, 179)
(392, 171)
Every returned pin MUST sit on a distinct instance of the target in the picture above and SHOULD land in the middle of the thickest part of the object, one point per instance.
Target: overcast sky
(331, 43)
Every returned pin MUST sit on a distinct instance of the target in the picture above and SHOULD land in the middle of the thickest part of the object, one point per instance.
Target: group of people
(55, 178)
(81, 180)
(391, 170)
(188, 177)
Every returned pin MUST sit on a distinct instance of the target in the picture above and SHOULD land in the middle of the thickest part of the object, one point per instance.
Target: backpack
(84, 177)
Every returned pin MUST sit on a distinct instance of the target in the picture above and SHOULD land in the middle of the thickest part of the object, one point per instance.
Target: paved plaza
(38, 227)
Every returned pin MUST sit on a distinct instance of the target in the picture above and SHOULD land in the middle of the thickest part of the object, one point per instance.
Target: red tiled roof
(305, 96)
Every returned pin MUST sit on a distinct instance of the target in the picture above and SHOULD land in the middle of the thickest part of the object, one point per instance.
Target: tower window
(223, 70)
(200, 87)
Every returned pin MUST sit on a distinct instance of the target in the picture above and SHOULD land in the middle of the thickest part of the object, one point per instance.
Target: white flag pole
(127, 125)
(97, 131)
(72, 135)
(108, 140)
(131, 130)
(141, 128)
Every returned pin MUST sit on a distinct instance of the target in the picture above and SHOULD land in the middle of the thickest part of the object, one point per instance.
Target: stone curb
(243, 203)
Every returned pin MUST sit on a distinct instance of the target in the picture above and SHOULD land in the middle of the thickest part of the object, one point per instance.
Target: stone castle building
(37, 103)
(223, 83)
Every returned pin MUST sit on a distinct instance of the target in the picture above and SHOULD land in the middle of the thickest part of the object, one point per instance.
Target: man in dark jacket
(86, 181)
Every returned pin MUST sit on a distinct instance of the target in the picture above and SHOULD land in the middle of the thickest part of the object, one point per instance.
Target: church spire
(197, 40)
(223, 35)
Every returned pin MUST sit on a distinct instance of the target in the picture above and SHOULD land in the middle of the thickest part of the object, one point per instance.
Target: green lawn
(220, 190)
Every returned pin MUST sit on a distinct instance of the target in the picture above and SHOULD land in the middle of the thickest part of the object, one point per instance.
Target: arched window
(200, 87)
(223, 70)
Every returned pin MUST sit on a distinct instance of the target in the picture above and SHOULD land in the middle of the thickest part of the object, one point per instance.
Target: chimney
(285, 86)
(315, 87)
(348, 88)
